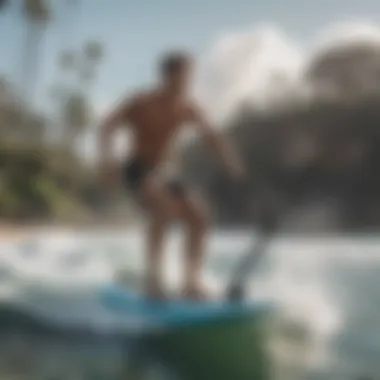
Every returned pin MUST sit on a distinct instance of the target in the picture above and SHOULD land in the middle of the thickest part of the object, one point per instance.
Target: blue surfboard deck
(175, 313)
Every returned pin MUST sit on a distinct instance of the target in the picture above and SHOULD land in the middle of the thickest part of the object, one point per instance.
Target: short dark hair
(173, 61)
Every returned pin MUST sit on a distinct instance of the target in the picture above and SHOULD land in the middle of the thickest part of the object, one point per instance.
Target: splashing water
(327, 288)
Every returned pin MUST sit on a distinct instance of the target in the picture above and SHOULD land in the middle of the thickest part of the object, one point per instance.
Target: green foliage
(324, 151)
(36, 10)
(3, 4)
(17, 121)
(37, 182)
(76, 113)
(74, 102)
(93, 51)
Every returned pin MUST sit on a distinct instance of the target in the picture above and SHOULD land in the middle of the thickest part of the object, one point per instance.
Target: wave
(49, 286)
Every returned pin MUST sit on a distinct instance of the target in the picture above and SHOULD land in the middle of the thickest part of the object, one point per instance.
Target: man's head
(175, 70)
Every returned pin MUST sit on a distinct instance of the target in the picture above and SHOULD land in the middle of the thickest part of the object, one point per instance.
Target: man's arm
(107, 128)
(218, 143)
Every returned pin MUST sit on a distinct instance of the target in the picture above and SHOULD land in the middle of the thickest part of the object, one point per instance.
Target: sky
(226, 35)
(135, 32)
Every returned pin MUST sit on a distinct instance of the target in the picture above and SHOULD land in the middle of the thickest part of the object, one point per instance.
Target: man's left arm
(217, 141)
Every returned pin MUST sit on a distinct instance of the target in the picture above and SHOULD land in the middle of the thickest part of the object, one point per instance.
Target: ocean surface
(326, 288)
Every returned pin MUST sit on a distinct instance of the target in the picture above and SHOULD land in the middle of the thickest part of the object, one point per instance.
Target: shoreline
(15, 232)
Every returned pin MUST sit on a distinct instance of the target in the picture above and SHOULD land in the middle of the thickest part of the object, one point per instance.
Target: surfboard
(177, 313)
(196, 340)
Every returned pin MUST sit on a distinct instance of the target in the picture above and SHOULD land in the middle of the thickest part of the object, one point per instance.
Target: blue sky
(135, 32)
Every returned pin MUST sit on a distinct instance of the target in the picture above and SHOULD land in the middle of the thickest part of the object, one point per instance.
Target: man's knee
(159, 221)
(160, 204)
(197, 218)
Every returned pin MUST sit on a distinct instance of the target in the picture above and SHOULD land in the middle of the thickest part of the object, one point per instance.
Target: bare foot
(195, 293)
(155, 291)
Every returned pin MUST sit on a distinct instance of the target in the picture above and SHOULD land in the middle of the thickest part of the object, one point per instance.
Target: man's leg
(194, 216)
(155, 240)
(163, 210)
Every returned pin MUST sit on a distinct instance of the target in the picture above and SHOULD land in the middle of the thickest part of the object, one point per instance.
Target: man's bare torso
(155, 121)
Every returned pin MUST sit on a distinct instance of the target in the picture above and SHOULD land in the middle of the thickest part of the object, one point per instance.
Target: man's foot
(195, 293)
(155, 292)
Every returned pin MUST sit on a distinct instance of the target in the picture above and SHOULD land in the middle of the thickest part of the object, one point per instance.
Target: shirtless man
(155, 117)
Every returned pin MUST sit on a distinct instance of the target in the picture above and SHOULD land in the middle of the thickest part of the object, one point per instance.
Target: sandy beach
(14, 232)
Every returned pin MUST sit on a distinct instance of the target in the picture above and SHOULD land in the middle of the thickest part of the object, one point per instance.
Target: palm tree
(74, 97)
(3, 4)
(67, 60)
(92, 55)
(68, 57)
(77, 113)
(76, 116)
(36, 14)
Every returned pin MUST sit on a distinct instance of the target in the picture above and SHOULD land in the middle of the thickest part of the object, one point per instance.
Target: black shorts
(135, 172)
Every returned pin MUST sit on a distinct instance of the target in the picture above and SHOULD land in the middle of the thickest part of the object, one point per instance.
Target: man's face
(178, 80)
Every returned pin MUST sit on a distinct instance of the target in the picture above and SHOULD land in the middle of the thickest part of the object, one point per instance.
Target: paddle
(270, 223)
(235, 290)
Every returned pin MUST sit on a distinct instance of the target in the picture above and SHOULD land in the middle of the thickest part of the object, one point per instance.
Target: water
(326, 288)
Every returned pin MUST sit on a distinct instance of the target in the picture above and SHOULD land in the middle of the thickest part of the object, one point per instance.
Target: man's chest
(157, 119)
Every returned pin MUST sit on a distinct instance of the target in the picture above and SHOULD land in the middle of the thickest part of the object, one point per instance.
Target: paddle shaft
(235, 289)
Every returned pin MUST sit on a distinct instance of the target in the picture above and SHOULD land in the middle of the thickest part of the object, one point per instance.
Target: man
(155, 117)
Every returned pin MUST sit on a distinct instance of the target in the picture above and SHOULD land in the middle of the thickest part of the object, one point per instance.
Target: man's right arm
(107, 128)
(220, 145)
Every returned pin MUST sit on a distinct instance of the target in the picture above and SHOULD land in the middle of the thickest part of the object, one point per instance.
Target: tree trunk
(30, 72)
